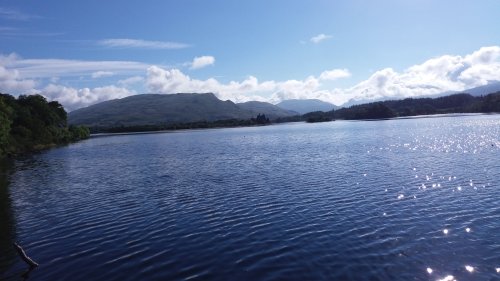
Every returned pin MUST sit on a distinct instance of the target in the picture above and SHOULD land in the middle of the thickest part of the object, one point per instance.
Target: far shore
(447, 115)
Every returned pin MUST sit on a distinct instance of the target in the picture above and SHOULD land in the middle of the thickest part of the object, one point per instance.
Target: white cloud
(440, 74)
(131, 80)
(173, 81)
(100, 74)
(436, 75)
(141, 44)
(10, 81)
(320, 38)
(47, 68)
(72, 98)
(445, 73)
(335, 74)
(200, 62)
(11, 14)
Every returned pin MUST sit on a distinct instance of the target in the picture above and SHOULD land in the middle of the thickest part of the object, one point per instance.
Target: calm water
(384, 200)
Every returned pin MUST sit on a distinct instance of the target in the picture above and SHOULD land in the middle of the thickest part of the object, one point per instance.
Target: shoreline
(445, 115)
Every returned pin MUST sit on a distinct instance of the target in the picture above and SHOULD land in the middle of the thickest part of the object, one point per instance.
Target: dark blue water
(415, 199)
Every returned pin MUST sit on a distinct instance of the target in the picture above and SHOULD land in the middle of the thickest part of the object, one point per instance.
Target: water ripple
(413, 199)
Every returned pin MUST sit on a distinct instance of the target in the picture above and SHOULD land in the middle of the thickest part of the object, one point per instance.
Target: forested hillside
(31, 123)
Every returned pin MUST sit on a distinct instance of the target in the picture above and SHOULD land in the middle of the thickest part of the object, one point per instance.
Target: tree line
(31, 123)
(261, 119)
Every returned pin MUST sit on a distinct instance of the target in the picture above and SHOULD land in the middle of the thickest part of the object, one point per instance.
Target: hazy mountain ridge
(304, 106)
(270, 110)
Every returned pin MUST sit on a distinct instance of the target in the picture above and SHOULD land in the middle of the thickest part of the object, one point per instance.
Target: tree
(31, 123)
(5, 122)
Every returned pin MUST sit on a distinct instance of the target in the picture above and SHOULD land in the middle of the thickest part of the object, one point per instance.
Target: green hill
(156, 109)
(153, 109)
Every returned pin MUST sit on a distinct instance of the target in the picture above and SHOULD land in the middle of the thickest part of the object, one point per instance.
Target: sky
(84, 52)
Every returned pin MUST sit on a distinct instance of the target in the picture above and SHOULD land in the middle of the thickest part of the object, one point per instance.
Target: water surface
(413, 199)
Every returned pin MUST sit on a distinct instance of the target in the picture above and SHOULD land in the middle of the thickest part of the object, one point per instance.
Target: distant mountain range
(456, 103)
(306, 105)
(171, 110)
(153, 109)
(491, 87)
(270, 110)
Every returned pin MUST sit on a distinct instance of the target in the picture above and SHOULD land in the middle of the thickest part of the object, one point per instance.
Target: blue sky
(83, 52)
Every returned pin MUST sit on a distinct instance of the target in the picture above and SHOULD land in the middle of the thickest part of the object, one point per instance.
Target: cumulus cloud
(319, 38)
(172, 81)
(100, 74)
(73, 98)
(141, 44)
(335, 74)
(11, 81)
(200, 62)
(440, 74)
(436, 75)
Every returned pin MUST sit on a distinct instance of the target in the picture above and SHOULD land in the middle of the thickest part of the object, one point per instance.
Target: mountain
(489, 88)
(456, 103)
(307, 105)
(152, 109)
(271, 111)
(155, 109)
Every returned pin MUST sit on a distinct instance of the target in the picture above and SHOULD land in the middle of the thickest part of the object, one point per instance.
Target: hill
(156, 109)
(306, 105)
(152, 109)
(270, 110)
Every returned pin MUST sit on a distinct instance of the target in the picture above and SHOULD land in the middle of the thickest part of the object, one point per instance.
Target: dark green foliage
(376, 110)
(319, 116)
(31, 123)
(227, 123)
(261, 119)
(491, 103)
(5, 123)
(77, 133)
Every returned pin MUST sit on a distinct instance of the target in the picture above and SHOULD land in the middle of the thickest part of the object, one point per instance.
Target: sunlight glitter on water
(448, 278)
(469, 268)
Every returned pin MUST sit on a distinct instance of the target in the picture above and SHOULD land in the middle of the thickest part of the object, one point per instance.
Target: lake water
(412, 199)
